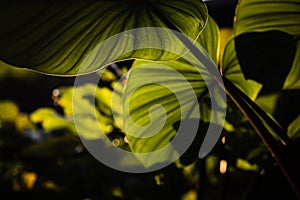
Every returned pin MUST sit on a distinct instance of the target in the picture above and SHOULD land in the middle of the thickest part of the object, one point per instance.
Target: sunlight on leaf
(65, 37)
(271, 52)
(225, 35)
(156, 83)
(9, 71)
(210, 40)
(245, 165)
(149, 94)
(266, 15)
(51, 120)
(91, 106)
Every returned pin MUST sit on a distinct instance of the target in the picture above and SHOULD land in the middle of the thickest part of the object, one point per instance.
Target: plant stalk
(278, 152)
(243, 103)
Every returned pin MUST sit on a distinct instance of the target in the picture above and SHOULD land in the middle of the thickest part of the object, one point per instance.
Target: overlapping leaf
(232, 70)
(175, 87)
(268, 31)
(67, 37)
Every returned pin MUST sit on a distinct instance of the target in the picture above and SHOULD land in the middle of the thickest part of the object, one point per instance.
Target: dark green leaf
(267, 32)
(266, 57)
(52, 147)
(66, 37)
(232, 70)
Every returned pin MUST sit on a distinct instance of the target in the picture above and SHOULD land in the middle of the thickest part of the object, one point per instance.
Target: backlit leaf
(267, 35)
(266, 15)
(158, 95)
(67, 37)
(209, 39)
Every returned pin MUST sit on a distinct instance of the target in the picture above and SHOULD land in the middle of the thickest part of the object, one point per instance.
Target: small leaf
(245, 165)
(67, 37)
(51, 120)
(52, 147)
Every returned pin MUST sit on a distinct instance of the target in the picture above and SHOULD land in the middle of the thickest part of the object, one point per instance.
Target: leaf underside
(66, 37)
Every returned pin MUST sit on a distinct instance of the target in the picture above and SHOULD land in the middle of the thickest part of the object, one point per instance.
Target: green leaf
(292, 80)
(51, 120)
(267, 35)
(144, 89)
(67, 37)
(232, 70)
(210, 40)
(52, 147)
(90, 109)
(266, 57)
(294, 129)
(8, 110)
(245, 165)
(158, 95)
(266, 15)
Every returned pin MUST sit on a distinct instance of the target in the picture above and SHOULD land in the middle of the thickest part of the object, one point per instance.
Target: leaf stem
(278, 152)
(285, 140)
(254, 115)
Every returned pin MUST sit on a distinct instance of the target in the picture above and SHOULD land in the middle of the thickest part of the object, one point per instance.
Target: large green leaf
(159, 95)
(231, 69)
(266, 15)
(267, 32)
(67, 37)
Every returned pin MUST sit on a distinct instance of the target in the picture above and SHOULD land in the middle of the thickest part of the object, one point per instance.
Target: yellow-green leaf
(159, 95)
(266, 15)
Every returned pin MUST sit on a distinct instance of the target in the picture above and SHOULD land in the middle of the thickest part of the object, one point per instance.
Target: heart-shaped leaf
(76, 37)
